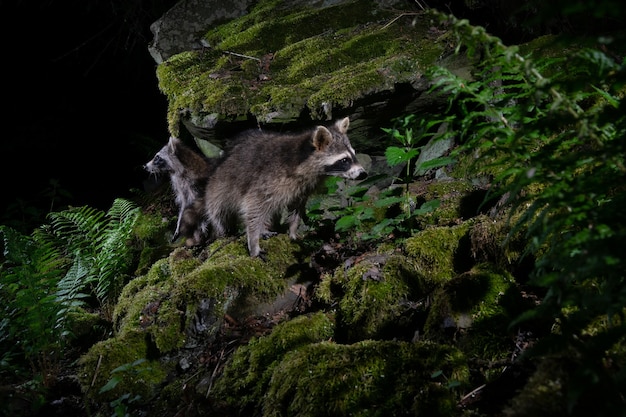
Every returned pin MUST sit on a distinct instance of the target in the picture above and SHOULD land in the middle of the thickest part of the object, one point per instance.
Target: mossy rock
(375, 296)
(120, 364)
(279, 61)
(544, 395)
(440, 253)
(474, 310)
(156, 313)
(369, 378)
(459, 200)
(247, 374)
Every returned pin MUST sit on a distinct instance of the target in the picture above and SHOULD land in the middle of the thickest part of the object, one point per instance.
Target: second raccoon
(189, 172)
(265, 173)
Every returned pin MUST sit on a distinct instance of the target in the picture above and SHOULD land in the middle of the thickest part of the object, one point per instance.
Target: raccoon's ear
(342, 125)
(173, 142)
(321, 138)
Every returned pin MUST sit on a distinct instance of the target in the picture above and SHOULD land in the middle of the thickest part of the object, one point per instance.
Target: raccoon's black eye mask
(339, 166)
(158, 160)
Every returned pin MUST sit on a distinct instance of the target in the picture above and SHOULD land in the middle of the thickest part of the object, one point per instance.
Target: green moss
(98, 366)
(544, 394)
(321, 58)
(369, 378)
(372, 295)
(161, 304)
(231, 266)
(440, 252)
(139, 293)
(248, 373)
(495, 241)
(454, 196)
(85, 327)
(476, 307)
(149, 226)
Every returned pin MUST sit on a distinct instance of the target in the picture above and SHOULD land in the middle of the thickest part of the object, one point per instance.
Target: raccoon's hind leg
(191, 224)
(255, 225)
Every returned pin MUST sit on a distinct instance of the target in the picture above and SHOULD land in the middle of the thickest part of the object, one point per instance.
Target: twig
(241, 55)
(217, 365)
(95, 374)
(421, 5)
(398, 17)
(473, 392)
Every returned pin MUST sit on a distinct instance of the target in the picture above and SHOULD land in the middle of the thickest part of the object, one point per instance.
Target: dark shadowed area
(82, 109)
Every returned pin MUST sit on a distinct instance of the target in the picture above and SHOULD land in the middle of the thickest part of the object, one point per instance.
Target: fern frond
(113, 253)
(79, 227)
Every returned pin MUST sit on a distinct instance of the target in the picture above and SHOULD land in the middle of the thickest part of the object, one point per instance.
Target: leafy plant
(391, 213)
(97, 245)
(122, 405)
(43, 277)
(30, 328)
(554, 131)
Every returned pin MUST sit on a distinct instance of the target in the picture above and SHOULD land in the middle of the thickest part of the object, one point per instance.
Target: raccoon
(189, 172)
(265, 173)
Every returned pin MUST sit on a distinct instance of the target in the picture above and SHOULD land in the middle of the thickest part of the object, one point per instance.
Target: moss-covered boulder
(298, 371)
(182, 302)
(441, 252)
(248, 373)
(377, 296)
(473, 312)
(285, 62)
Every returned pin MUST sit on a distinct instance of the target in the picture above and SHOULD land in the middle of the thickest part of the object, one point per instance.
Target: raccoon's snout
(356, 173)
(156, 165)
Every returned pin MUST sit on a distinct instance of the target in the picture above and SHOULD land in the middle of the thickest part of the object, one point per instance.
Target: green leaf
(434, 163)
(427, 207)
(396, 155)
(109, 385)
(345, 223)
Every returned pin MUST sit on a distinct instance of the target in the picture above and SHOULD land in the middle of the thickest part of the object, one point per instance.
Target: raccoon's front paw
(192, 242)
(267, 234)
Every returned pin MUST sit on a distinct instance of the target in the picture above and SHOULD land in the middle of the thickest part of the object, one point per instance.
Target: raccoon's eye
(345, 161)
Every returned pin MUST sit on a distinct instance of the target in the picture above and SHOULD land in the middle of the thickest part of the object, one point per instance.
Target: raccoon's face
(158, 164)
(345, 165)
(339, 156)
(165, 161)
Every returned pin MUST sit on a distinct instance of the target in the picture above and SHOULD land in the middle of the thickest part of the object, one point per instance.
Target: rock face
(181, 28)
(295, 63)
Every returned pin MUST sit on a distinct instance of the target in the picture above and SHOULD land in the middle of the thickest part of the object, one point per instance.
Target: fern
(31, 318)
(113, 256)
(96, 242)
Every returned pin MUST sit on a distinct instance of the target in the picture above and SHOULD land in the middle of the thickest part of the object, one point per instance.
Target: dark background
(82, 109)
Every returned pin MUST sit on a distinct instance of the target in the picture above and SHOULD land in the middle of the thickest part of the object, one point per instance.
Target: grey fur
(265, 173)
(189, 172)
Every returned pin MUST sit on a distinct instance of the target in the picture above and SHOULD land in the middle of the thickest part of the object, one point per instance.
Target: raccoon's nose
(362, 175)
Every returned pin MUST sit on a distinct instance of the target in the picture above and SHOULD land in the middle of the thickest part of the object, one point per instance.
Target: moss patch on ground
(369, 378)
(475, 309)
(373, 294)
(249, 371)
